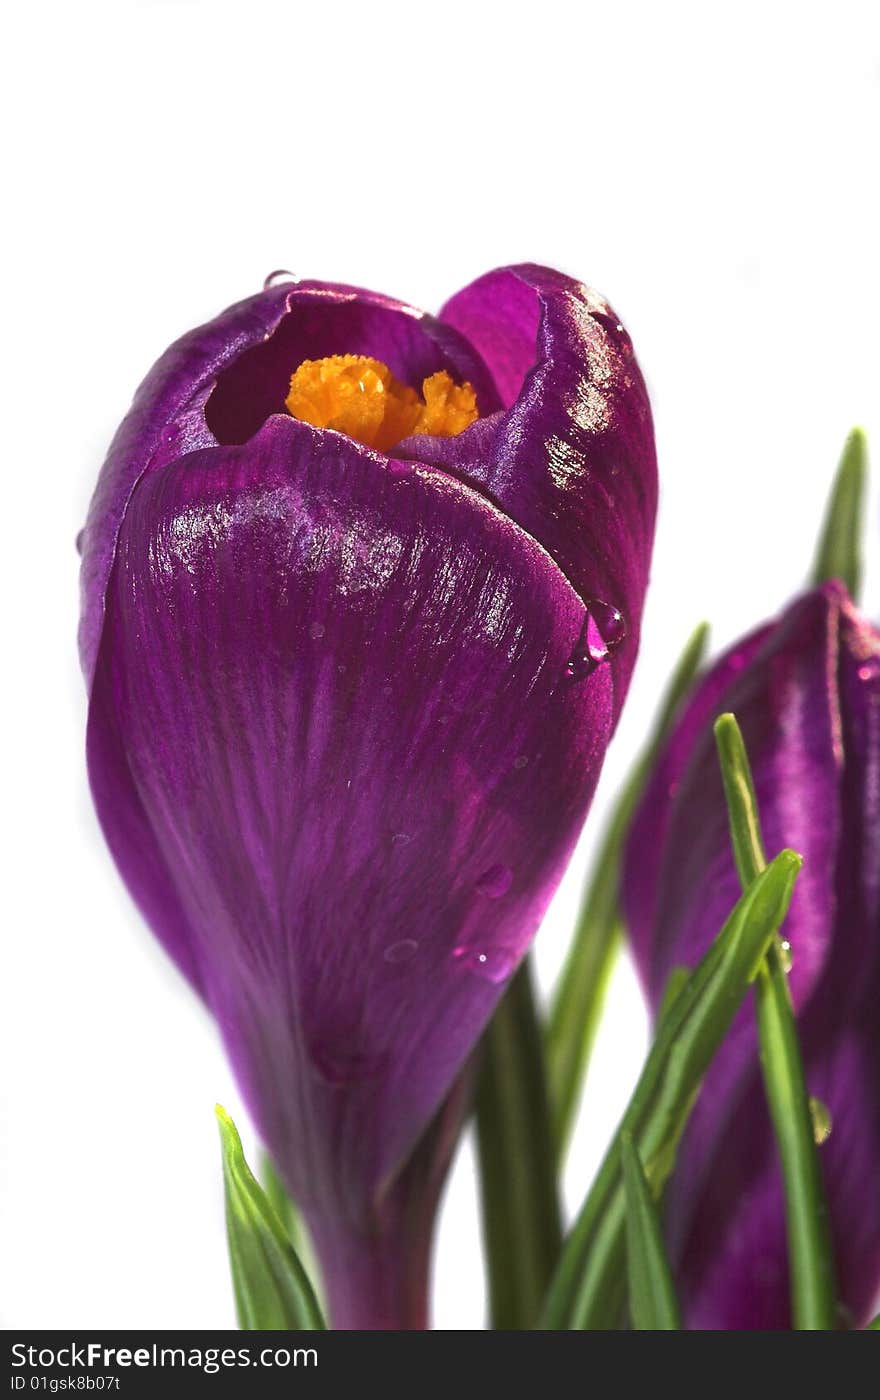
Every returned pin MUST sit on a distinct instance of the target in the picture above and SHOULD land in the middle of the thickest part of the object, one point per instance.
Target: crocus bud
(806, 692)
(361, 599)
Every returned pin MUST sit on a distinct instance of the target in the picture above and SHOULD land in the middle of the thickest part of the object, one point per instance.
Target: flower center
(360, 397)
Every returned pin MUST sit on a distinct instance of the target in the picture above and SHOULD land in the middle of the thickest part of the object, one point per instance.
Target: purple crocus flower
(348, 706)
(806, 692)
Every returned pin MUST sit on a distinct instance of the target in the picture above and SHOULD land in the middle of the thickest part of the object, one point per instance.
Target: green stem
(588, 1286)
(653, 1304)
(813, 1294)
(520, 1205)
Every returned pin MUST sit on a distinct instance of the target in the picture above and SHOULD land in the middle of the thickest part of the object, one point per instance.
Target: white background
(711, 169)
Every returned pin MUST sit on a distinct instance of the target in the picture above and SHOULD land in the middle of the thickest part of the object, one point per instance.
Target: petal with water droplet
(273, 776)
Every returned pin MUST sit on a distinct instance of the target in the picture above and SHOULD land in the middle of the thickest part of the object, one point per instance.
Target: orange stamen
(360, 397)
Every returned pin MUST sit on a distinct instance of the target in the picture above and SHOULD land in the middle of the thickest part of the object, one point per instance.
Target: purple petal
(220, 382)
(332, 704)
(500, 315)
(651, 824)
(681, 882)
(572, 458)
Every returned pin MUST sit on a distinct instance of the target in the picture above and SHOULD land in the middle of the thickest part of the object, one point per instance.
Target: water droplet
(79, 542)
(602, 632)
(785, 954)
(317, 630)
(495, 881)
(871, 670)
(401, 951)
(278, 277)
(493, 964)
(396, 467)
(522, 761)
(401, 838)
(821, 1121)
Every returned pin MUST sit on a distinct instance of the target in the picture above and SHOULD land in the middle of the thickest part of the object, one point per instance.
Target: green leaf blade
(839, 550)
(293, 1222)
(579, 996)
(587, 1290)
(653, 1303)
(272, 1289)
(813, 1289)
(675, 983)
(517, 1159)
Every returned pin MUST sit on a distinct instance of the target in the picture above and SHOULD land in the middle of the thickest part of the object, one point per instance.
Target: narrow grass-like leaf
(675, 983)
(839, 553)
(279, 1200)
(653, 1305)
(874, 1324)
(813, 1297)
(520, 1205)
(292, 1221)
(577, 1003)
(588, 1287)
(272, 1289)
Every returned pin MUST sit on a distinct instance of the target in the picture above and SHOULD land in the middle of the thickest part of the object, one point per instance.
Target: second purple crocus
(806, 692)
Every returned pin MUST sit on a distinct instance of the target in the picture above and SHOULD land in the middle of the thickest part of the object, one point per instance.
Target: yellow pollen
(360, 397)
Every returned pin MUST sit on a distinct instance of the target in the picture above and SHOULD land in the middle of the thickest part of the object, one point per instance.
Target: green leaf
(874, 1324)
(520, 1206)
(811, 1259)
(292, 1220)
(653, 1304)
(276, 1195)
(588, 1287)
(839, 553)
(272, 1289)
(580, 993)
(675, 983)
